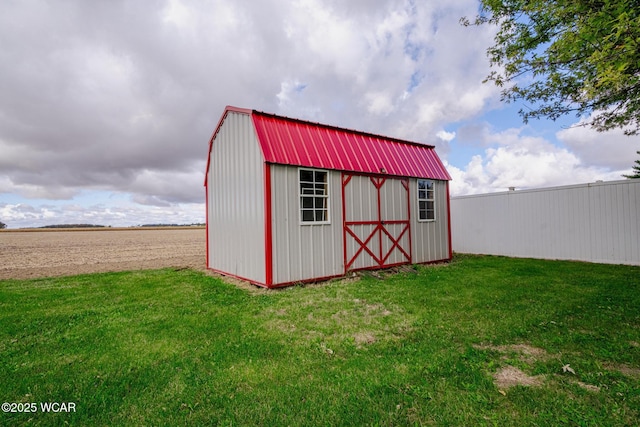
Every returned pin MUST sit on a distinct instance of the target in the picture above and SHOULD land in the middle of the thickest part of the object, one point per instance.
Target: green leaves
(568, 56)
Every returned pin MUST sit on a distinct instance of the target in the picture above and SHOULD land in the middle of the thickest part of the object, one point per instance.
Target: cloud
(398, 68)
(128, 214)
(175, 187)
(523, 161)
(122, 97)
(96, 96)
(445, 136)
(612, 149)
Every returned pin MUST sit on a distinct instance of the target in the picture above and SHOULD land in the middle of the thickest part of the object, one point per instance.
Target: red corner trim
(449, 221)
(268, 239)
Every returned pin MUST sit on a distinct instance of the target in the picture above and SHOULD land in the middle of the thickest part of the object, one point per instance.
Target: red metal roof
(296, 142)
(301, 143)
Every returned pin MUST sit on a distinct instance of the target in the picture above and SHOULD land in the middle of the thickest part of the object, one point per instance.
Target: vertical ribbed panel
(393, 207)
(302, 251)
(235, 183)
(430, 239)
(361, 204)
(596, 222)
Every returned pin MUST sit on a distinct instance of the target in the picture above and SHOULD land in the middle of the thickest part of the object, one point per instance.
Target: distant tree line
(73, 226)
(108, 226)
(173, 225)
(3, 225)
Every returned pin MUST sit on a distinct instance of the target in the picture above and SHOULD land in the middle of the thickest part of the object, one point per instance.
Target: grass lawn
(479, 341)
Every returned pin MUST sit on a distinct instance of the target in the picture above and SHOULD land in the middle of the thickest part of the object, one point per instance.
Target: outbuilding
(292, 201)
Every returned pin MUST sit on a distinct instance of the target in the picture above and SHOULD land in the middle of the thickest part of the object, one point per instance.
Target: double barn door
(376, 226)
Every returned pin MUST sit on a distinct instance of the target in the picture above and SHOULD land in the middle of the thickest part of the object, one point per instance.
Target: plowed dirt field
(31, 254)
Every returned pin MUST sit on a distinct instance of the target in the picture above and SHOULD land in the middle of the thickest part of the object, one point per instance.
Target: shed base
(396, 269)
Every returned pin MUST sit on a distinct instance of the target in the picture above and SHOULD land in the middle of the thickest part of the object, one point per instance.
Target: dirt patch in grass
(387, 272)
(364, 337)
(510, 376)
(372, 310)
(526, 353)
(625, 370)
(340, 319)
(589, 387)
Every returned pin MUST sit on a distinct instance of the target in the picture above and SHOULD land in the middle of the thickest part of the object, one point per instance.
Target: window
(314, 196)
(426, 200)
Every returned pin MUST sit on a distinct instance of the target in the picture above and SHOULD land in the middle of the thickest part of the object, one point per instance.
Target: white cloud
(176, 13)
(403, 68)
(612, 149)
(522, 161)
(445, 136)
(120, 215)
(332, 43)
(379, 103)
(122, 97)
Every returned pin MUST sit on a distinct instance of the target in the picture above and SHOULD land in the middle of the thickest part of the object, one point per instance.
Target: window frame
(313, 196)
(426, 199)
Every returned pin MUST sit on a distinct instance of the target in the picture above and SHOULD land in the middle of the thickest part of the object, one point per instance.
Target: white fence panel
(596, 222)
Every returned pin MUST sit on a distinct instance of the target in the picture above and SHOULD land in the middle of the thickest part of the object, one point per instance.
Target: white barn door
(376, 226)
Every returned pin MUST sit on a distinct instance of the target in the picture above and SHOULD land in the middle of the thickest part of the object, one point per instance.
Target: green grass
(180, 347)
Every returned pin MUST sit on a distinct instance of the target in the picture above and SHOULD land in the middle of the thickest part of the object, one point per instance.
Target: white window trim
(326, 196)
(425, 200)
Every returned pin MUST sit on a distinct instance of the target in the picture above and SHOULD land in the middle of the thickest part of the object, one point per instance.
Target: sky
(107, 107)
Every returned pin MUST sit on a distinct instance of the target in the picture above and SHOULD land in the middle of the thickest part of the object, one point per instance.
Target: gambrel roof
(297, 142)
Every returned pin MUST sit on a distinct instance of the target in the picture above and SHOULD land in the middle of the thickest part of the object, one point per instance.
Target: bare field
(25, 255)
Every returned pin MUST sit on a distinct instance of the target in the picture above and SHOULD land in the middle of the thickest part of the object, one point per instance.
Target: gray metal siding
(430, 239)
(596, 222)
(303, 252)
(236, 211)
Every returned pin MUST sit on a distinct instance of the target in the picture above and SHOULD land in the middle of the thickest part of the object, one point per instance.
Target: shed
(292, 201)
